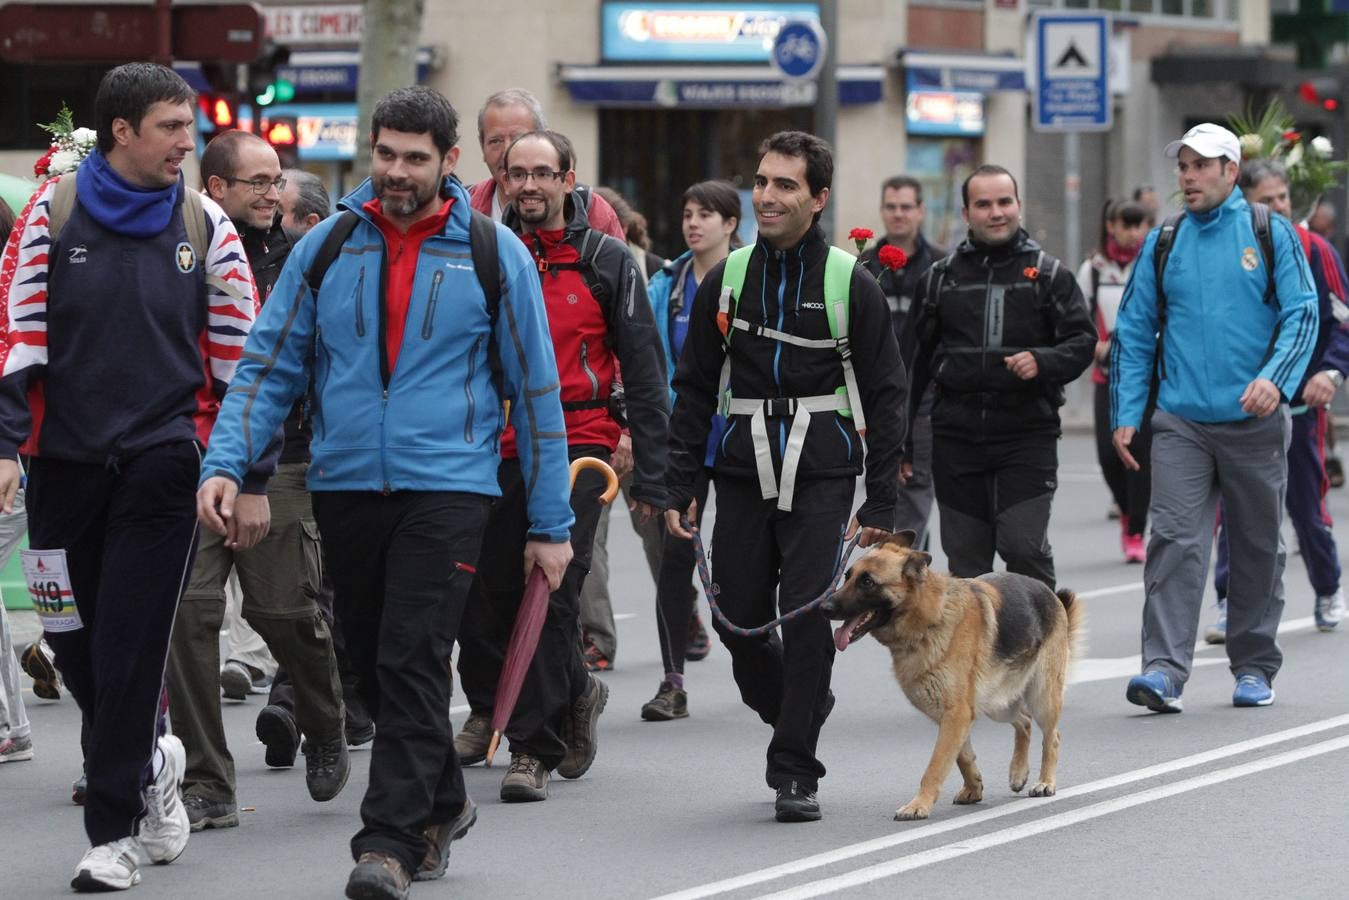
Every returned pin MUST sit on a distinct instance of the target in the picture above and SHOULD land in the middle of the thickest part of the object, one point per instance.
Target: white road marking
(1013, 807)
(1053, 823)
(1108, 591)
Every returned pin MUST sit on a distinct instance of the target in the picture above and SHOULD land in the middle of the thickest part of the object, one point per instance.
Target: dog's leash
(712, 590)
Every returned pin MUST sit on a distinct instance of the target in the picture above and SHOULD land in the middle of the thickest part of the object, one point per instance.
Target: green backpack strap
(732, 282)
(838, 270)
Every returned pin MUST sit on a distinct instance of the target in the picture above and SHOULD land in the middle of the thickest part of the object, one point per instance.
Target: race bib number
(48, 579)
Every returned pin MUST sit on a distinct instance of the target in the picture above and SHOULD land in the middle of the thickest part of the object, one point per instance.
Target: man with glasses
(278, 560)
(600, 319)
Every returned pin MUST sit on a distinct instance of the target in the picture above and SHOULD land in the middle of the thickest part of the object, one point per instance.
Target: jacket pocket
(428, 323)
(468, 388)
(589, 373)
(360, 304)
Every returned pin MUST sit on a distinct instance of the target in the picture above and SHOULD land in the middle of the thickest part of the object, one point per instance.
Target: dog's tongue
(843, 635)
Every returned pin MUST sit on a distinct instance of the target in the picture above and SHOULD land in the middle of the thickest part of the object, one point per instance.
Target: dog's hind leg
(951, 736)
(1046, 708)
(973, 791)
(1019, 772)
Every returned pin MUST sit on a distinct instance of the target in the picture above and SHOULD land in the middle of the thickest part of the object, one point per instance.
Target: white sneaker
(1329, 610)
(164, 830)
(108, 867)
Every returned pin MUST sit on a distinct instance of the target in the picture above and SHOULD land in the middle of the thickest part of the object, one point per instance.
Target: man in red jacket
(504, 117)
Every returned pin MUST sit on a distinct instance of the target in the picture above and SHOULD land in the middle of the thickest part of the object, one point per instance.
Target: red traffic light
(1331, 104)
(219, 111)
(281, 132)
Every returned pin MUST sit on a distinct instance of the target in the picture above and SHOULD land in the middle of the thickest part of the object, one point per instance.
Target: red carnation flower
(893, 258)
(41, 167)
(1031, 272)
(1291, 136)
(860, 236)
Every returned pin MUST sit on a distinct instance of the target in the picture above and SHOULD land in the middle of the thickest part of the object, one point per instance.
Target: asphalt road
(1212, 803)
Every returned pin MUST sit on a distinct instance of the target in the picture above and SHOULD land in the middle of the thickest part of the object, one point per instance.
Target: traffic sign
(1072, 91)
(116, 33)
(799, 49)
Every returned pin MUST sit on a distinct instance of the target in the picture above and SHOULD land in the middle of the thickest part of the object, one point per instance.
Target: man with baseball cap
(1220, 324)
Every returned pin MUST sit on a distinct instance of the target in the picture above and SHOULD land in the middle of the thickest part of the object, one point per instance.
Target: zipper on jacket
(383, 467)
(360, 304)
(315, 404)
(468, 387)
(585, 367)
(429, 321)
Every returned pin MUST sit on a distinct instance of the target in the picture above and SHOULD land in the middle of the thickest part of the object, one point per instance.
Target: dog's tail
(1077, 620)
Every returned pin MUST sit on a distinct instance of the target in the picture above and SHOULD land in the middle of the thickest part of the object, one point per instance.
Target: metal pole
(1072, 200)
(826, 99)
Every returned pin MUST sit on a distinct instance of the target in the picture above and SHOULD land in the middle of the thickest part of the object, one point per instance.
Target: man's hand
(1023, 365)
(645, 511)
(1102, 350)
(869, 535)
(215, 503)
(1260, 398)
(10, 479)
(552, 558)
(621, 462)
(1122, 438)
(905, 472)
(251, 521)
(1320, 390)
(672, 517)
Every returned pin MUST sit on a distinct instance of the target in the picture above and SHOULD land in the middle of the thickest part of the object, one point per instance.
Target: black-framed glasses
(520, 176)
(260, 186)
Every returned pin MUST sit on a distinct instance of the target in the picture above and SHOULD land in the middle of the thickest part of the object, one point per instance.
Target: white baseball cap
(1208, 140)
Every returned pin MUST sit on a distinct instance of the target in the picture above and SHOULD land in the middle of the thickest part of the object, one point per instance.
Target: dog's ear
(901, 538)
(915, 566)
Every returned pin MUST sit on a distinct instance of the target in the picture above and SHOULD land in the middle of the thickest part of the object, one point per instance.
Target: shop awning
(691, 86)
(981, 72)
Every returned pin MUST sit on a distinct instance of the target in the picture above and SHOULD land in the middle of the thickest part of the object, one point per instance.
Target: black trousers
(402, 565)
(996, 495)
(129, 533)
(761, 553)
(675, 593)
(1131, 491)
(557, 675)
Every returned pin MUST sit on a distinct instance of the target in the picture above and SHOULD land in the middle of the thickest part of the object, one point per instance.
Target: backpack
(1161, 252)
(64, 197)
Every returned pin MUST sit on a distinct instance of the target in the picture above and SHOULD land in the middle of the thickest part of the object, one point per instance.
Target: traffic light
(264, 84)
(283, 133)
(1322, 92)
(219, 110)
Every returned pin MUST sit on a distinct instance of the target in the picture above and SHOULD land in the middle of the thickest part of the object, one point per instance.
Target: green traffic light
(268, 97)
(284, 90)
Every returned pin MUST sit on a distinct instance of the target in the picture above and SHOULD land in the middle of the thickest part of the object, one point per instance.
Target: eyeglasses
(541, 176)
(260, 186)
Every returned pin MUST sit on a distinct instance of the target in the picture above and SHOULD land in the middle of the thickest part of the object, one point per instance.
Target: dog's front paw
(1043, 789)
(1019, 777)
(970, 793)
(911, 811)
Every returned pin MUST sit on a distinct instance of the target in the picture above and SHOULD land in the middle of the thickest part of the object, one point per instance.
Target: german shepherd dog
(998, 645)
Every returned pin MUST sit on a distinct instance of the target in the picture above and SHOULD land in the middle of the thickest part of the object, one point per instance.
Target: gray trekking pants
(1193, 464)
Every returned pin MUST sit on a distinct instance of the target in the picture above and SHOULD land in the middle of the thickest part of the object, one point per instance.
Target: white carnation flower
(1322, 146)
(1294, 155)
(84, 137)
(1251, 145)
(64, 161)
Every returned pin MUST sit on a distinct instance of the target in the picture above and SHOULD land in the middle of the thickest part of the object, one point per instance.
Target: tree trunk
(389, 40)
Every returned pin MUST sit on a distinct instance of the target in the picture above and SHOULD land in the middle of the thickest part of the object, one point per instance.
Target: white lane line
(922, 832)
(1052, 823)
(1108, 591)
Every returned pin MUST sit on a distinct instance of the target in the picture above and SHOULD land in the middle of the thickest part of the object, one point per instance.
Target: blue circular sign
(799, 49)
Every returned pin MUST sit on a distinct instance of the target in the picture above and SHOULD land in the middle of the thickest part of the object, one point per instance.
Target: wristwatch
(1336, 377)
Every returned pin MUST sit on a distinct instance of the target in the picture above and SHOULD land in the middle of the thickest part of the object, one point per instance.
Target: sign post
(1072, 95)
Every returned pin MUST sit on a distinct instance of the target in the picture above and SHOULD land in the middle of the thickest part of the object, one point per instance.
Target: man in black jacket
(787, 467)
(1002, 327)
(280, 577)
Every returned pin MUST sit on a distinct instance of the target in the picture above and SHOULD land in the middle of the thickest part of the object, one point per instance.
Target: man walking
(792, 339)
(600, 319)
(1002, 327)
(411, 336)
(1228, 330)
(280, 575)
(902, 214)
(119, 284)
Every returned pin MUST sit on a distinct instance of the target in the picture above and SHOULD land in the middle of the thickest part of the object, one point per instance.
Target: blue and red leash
(712, 590)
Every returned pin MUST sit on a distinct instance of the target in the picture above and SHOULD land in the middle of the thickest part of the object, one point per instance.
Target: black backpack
(1161, 252)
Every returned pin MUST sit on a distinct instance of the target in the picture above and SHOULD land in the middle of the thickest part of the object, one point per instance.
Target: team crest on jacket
(185, 257)
(1249, 261)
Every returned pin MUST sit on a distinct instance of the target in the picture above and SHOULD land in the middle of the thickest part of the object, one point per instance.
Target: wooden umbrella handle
(599, 465)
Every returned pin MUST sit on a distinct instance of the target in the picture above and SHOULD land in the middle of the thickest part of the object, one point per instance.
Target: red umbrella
(529, 621)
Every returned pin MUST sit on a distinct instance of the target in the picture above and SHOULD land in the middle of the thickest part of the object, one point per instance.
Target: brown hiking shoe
(438, 838)
(378, 876)
(526, 780)
(669, 703)
(472, 740)
(582, 741)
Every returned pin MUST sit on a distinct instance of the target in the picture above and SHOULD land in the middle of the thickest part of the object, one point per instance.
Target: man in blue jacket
(1229, 342)
(408, 364)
